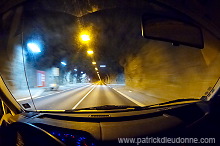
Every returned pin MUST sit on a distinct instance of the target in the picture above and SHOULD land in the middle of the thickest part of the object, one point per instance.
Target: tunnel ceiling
(115, 33)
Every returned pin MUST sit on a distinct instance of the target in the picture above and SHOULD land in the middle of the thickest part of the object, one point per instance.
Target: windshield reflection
(67, 58)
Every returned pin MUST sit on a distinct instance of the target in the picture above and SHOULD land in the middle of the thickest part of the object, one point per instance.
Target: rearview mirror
(171, 30)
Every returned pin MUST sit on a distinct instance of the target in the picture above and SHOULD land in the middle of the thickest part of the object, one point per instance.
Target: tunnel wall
(165, 71)
(115, 79)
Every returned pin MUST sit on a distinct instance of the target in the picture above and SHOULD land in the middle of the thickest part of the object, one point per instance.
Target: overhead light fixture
(102, 65)
(90, 52)
(34, 47)
(85, 37)
(63, 63)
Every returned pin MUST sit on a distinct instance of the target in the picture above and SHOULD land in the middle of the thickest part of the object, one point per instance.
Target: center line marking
(83, 97)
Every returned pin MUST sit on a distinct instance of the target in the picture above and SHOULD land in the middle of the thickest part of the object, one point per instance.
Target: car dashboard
(104, 128)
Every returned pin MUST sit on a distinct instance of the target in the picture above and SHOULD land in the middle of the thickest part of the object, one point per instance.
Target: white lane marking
(36, 97)
(84, 97)
(129, 98)
(24, 99)
(39, 93)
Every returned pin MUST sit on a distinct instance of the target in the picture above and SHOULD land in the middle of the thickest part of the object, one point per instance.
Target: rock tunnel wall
(165, 71)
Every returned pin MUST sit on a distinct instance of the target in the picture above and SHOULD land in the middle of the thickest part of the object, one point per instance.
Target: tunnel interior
(155, 68)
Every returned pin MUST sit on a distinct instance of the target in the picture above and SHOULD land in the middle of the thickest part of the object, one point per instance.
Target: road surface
(82, 97)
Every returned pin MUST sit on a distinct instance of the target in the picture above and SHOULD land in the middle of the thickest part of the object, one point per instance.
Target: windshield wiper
(109, 107)
(174, 101)
(127, 107)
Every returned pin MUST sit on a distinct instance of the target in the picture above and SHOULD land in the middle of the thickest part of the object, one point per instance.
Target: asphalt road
(82, 97)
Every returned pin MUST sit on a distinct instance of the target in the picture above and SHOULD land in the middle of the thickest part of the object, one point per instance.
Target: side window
(1, 109)
(11, 53)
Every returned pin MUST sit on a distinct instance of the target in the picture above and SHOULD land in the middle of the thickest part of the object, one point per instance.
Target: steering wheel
(26, 134)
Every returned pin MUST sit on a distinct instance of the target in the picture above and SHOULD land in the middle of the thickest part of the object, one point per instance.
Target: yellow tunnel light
(85, 37)
(90, 52)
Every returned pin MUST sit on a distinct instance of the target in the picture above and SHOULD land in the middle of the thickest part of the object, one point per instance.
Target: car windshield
(73, 54)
